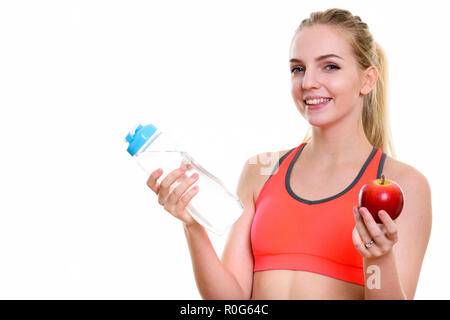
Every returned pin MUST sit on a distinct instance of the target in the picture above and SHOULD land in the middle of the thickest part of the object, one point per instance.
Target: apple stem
(382, 177)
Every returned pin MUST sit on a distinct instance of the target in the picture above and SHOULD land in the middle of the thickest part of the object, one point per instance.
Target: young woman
(301, 234)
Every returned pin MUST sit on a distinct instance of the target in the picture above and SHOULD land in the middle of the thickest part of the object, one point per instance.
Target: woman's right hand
(174, 201)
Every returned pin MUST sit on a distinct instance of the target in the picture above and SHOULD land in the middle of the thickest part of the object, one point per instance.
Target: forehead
(318, 40)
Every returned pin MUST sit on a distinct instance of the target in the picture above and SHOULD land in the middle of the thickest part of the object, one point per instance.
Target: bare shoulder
(414, 223)
(415, 185)
(266, 160)
(403, 173)
(261, 167)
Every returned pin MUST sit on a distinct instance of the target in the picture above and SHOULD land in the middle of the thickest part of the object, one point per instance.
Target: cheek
(344, 94)
(296, 88)
(344, 87)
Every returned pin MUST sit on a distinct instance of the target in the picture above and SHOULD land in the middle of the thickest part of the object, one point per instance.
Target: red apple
(381, 194)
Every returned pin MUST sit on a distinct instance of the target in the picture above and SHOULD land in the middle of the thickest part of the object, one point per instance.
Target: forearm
(382, 279)
(214, 281)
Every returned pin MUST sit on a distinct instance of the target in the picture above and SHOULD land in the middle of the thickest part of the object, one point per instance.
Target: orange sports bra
(292, 233)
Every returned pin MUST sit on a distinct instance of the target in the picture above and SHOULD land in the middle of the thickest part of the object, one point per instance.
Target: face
(337, 77)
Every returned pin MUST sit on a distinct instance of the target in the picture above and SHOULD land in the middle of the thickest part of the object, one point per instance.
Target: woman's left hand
(373, 240)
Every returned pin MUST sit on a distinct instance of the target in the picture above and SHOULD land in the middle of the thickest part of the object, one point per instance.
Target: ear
(370, 77)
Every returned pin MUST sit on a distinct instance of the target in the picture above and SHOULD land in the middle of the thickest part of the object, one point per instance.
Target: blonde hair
(368, 52)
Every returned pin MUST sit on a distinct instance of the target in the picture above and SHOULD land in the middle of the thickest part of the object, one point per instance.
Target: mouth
(316, 104)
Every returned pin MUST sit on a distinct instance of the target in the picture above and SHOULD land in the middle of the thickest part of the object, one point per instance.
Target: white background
(77, 220)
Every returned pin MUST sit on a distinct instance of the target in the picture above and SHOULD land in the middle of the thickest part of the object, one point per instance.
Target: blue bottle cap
(138, 136)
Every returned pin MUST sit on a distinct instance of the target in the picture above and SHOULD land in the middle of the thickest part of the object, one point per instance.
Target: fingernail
(182, 169)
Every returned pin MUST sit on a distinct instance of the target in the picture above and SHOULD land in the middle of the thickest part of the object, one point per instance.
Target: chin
(324, 119)
(319, 121)
(317, 124)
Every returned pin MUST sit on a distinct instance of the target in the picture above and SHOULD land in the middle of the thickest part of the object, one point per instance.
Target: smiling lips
(313, 103)
(314, 100)
(317, 104)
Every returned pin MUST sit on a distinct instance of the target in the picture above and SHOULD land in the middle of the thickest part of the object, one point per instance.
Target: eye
(292, 70)
(332, 65)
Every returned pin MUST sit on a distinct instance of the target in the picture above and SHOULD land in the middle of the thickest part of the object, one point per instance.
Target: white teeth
(317, 101)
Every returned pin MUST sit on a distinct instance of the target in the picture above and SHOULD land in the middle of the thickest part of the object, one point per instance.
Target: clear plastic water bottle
(214, 207)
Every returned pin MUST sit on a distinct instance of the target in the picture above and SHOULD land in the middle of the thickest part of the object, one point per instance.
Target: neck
(341, 143)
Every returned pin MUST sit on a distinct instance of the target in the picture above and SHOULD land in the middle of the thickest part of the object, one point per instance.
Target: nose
(309, 80)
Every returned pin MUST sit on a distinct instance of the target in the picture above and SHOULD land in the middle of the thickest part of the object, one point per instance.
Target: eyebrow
(331, 55)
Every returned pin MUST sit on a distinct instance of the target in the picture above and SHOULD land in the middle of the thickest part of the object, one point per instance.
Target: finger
(389, 225)
(177, 192)
(359, 244)
(167, 182)
(360, 226)
(152, 181)
(372, 227)
(366, 237)
(184, 201)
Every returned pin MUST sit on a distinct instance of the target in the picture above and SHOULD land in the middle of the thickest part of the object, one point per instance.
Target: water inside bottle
(214, 206)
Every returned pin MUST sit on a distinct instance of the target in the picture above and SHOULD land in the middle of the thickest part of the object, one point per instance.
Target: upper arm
(237, 255)
(414, 228)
